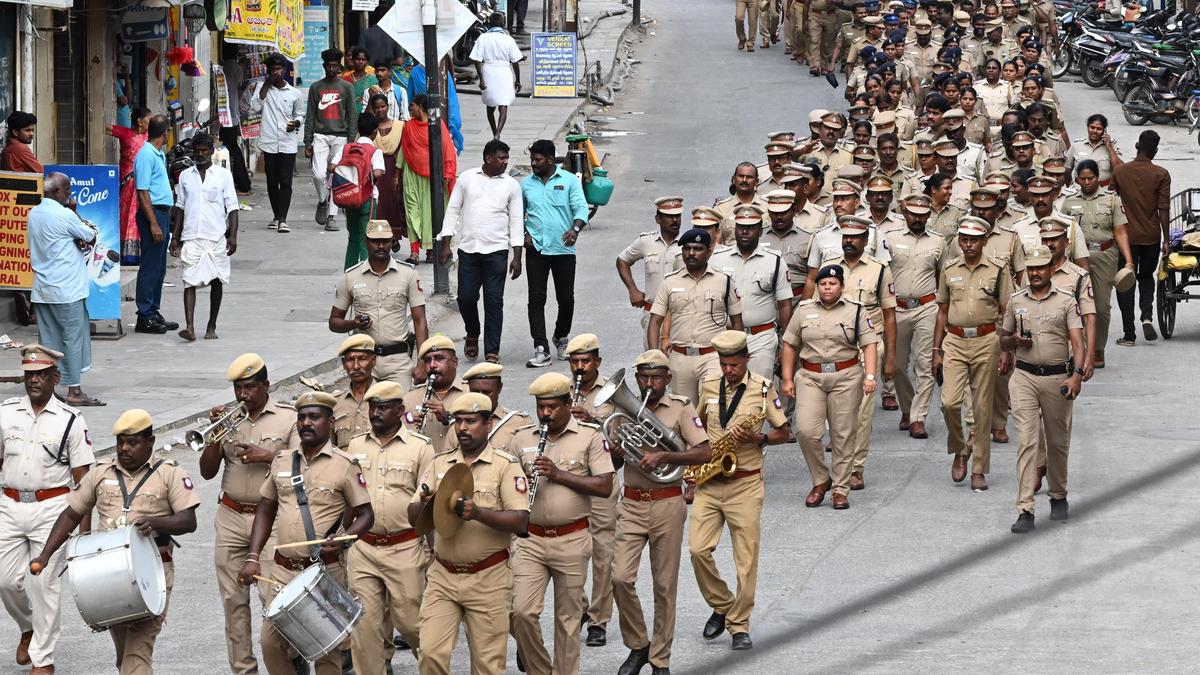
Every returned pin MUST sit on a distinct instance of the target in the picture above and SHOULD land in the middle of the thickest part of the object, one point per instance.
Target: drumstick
(297, 544)
(269, 580)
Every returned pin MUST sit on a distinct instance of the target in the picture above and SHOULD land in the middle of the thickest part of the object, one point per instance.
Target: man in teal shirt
(555, 214)
(155, 201)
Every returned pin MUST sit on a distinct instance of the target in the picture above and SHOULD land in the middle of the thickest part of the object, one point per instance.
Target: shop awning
(53, 4)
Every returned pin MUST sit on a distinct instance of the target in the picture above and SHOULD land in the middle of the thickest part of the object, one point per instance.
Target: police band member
(727, 405)
(161, 504)
(243, 459)
(359, 361)
(46, 450)
(657, 250)
(487, 379)
(652, 513)
(440, 362)
(470, 582)
(386, 566)
(571, 468)
(334, 487)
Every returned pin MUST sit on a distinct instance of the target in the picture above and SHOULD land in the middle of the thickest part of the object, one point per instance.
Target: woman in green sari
(414, 145)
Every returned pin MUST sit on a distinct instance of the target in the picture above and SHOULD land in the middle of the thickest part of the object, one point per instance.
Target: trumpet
(633, 428)
(219, 429)
(429, 382)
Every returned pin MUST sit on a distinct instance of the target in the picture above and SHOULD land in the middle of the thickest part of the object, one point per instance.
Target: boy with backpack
(353, 171)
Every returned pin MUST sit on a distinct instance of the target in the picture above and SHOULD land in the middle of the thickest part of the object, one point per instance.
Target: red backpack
(352, 180)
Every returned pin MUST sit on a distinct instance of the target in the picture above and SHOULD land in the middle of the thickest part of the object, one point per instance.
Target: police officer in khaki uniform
(727, 402)
(652, 514)
(1042, 325)
(787, 239)
(384, 294)
(741, 192)
(823, 32)
(46, 449)
(873, 37)
(658, 250)
(779, 154)
(243, 459)
(359, 360)
(809, 216)
(335, 487)
(164, 506)
(917, 259)
(700, 302)
(571, 468)
(972, 292)
(761, 278)
(1075, 281)
(1042, 191)
(745, 19)
(486, 378)
(441, 362)
(822, 369)
(471, 582)
(829, 155)
(583, 356)
(386, 566)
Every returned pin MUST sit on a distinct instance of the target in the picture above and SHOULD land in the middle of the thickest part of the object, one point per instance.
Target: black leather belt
(1034, 369)
(391, 350)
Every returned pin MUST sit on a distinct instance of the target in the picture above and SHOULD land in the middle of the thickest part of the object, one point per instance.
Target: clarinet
(578, 388)
(543, 433)
(425, 403)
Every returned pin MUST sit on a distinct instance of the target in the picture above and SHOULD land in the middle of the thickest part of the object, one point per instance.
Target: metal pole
(433, 78)
(637, 13)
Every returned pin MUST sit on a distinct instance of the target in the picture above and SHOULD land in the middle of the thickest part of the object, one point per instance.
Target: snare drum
(117, 576)
(314, 612)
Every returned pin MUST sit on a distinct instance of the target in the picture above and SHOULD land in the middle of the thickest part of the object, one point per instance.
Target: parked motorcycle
(1160, 87)
(180, 157)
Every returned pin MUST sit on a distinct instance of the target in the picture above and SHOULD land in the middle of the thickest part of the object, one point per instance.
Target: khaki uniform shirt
(830, 160)
(945, 222)
(726, 207)
(1028, 230)
(979, 127)
(387, 298)
(658, 256)
(1077, 283)
(587, 399)
(760, 395)
(996, 99)
(579, 449)
(916, 261)
(350, 419)
(168, 491)
(869, 283)
(974, 294)
(438, 433)
(678, 414)
(1049, 319)
(906, 125)
(332, 483)
(768, 184)
(1013, 213)
(827, 246)
(1003, 247)
(505, 423)
(857, 45)
(792, 245)
(699, 308)
(500, 485)
(921, 59)
(823, 334)
(1082, 148)
(761, 280)
(1097, 216)
(1001, 52)
(897, 176)
(275, 430)
(32, 444)
(391, 472)
(1011, 27)
(811, 219)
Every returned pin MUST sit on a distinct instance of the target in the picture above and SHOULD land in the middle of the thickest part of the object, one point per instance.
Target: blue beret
(879, 58)
(897, 36)
(891, 18)
(832, 272)
(867, 52)
(695, 236)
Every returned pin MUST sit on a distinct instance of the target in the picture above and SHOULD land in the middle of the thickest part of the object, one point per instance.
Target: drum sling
(310, 531)
(127, 497)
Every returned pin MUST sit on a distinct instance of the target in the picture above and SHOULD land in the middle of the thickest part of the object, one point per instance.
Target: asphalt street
(920, 574)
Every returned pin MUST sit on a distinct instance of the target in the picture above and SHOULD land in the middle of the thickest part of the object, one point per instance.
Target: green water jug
(599, 190)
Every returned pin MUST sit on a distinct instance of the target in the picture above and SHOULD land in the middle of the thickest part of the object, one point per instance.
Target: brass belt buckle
(828, 367)
(645, 496)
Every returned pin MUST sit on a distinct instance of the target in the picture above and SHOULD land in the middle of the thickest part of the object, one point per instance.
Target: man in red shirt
(17, 155)
(1145, 191)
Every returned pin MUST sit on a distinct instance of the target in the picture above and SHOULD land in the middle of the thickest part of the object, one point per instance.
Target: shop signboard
(316, 39)
(143, 23)
(251, 22)
(554, 65)
(96, 191)
(289, 28)
(19, 192)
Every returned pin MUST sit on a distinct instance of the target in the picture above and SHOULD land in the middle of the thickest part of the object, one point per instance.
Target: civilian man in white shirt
(204, 233)
(282, 109)
(487, 214)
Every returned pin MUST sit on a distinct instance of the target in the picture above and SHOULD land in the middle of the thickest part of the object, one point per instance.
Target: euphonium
(219, 428)
(633, 428)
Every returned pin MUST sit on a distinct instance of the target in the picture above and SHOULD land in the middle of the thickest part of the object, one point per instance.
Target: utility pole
(637, 13)
(433, 78)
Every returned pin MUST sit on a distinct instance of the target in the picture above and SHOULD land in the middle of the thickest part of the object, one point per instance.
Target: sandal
(85, 402)
(471, 348)
(414, 259)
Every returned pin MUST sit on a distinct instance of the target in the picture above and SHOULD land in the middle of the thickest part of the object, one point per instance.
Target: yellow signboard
(19, 193)
(252, 22)
(289, 28)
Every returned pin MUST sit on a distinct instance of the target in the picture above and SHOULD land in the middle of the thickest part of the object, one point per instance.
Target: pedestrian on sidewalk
(496, 56)
(131, 140)
(282, 111)
(329, 123)
(395, 97)
(485, 212)
(1145, 192)
(360, 76)
(204, 233)
(155, 201)
(58, 241)
(555, 214)
(231, 135)
(390, 204)
(516, 15)
(356, 218)
(417, 205)
(17, 154)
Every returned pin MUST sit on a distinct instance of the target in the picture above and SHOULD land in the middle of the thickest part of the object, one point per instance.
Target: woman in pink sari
(131, 139)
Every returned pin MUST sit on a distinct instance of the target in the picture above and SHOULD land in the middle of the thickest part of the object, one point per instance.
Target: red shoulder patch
(522, 485)
(187, 483)
(362, 479)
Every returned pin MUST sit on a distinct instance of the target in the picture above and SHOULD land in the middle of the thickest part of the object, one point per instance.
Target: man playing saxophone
(653, 512)
(732, 408)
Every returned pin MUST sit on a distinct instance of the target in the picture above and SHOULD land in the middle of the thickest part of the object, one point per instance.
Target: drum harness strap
(60, 458)
(310, 531)
(127, 499)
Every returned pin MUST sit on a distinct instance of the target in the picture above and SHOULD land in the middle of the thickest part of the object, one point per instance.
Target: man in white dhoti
(496, 56)
(204, 232)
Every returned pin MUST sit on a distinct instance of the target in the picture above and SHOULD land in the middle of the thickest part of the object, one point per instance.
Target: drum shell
(116, 576)
(314, 612)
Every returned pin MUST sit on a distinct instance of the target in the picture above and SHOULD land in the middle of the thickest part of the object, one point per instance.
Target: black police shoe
(1058, 509)
(635, 661)
(596, 636)
(169, 325)
(714, 626)
(151, 327)
(741, 642)
(660, 671)
(1024, 523)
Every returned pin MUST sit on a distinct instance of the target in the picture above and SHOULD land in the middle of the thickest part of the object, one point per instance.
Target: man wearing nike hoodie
(331, 121)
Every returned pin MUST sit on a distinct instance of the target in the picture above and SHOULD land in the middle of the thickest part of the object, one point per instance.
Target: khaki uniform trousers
(1039, 405)
(746, 10)
(23, 532)
(395, 368)
(537, 561)
(134, 640)
(1000, 402)
(231, 548)
(1102, 266)
(969, 362)
(389, 580)
(277, 652)
(687, 372)
(602, 523)
(737, 503)
(834, 398)
(482, 601)
(763, 349)
(768, 22)
(660, 524)
(914, 344)
(822, 30)
(866, 417)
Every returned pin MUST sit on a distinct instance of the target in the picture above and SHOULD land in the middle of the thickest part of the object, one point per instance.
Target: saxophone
(724, 455)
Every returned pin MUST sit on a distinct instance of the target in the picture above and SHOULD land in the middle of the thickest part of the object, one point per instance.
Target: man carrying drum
(47, 449)
(161, 503)
(332, 484)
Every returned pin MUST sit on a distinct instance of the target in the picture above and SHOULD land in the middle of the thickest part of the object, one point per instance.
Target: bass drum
(117, 576)
(314, 612)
